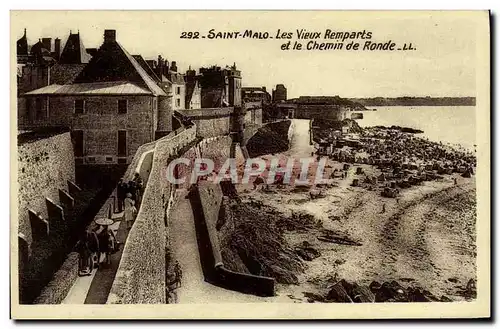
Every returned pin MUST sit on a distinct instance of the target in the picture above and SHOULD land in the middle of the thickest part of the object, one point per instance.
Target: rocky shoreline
(401, 129)
(418, 245)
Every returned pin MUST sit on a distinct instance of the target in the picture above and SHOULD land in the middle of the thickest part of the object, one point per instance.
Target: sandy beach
(425, 237)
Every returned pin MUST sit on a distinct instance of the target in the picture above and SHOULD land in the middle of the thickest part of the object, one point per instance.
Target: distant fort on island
(416, 101)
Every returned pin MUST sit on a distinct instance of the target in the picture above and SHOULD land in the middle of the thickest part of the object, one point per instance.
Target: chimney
(173, 66)
(165, 68)
(109, 36)
(264, 89)
(57, 47)
(47, 43)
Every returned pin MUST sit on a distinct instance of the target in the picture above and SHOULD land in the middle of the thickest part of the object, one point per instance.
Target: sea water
(455, 125)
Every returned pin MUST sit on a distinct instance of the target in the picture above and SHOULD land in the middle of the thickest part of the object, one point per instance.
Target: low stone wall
(210, 122)
(45, 166)
(61, 283)
(271, 138)
(210, 199)
(140, 278)
(57, 286)
(320, 112)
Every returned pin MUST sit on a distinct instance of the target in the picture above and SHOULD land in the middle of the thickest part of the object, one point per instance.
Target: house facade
(178, 87)
(112, 107)
(193, 91)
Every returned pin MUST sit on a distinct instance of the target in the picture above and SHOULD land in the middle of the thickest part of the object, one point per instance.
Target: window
(29, 109)
(91, 160)
(79, 106)
(109, 159)
(178, 102)
(178, 90)
(122, 106)
(122, 143)
(77, 136)
(40, 111)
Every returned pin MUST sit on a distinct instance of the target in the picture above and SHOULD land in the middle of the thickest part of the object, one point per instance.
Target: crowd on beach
(400, 148)
(100, 243)
(403, 151)
(404, 159)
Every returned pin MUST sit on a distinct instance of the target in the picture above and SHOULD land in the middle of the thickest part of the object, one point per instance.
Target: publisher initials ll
(408, 47)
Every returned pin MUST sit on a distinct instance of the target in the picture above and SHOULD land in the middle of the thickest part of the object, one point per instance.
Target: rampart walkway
(94, 289)
(185, 249)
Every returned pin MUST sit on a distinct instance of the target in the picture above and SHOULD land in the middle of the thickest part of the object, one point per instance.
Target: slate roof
(96, 88)
(74, 51)
(62, 74)
(190, 86)
(149, 70)
(113, 63)
(22, 45)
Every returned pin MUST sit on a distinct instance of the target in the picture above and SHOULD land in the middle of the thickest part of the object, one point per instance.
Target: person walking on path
(383, 208)
(107, 239)
(178, 274)
(138, 189)
(85, 264)
(93, 243)
(130, 211)
(132, 188)
(120, 194)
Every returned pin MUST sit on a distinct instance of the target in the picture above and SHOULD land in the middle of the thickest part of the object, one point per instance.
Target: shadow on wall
(211, 259)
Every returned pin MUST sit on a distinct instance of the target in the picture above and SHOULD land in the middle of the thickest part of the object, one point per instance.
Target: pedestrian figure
(120, 194)
(93, 243)
(178, 274)
(383, 208)
(130, 211)
(455, 180)
(107, 239)
(132, 188)
(85, 264)
(139, 188)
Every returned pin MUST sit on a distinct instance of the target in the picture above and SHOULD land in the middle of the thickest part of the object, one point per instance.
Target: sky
(442, 64)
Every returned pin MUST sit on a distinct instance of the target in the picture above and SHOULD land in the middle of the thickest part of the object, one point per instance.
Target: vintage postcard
(250, 164)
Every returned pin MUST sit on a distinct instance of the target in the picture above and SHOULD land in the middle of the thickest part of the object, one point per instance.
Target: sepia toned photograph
(264, 164)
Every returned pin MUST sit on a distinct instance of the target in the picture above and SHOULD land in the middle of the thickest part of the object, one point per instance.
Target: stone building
(193, 90)
(256, 94)
(170, 80)
(112, 107)
(317, 107)
(44, 66)
(279, 94)
(220, 87)
(178, 87)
